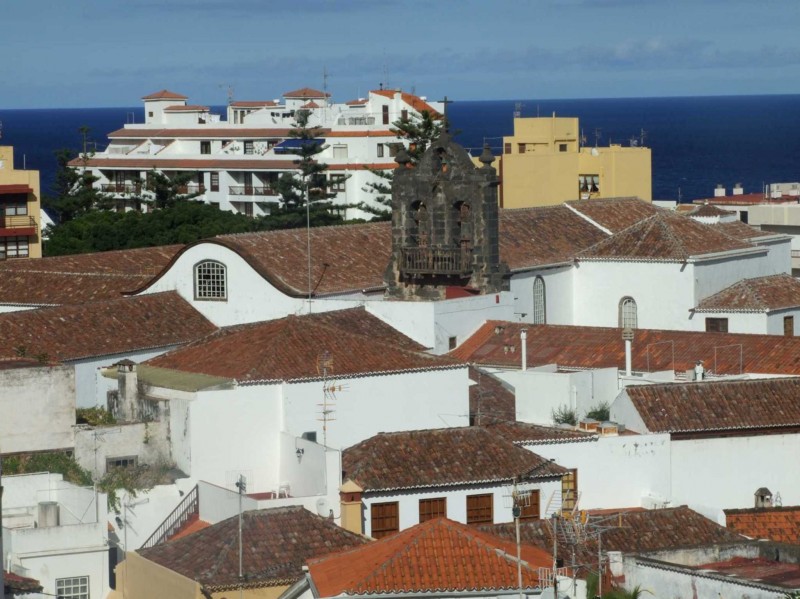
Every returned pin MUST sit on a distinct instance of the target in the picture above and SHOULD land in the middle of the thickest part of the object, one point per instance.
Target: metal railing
(188, 507)
(252, 190)
(121, 188)
(191, 188)
(22, 221)
(436, 260)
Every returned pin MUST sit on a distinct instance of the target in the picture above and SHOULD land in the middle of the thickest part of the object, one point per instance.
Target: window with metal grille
(716, 325)
(432, 508)
(627, 313)
(72, 588)
(214, 181)
(125, 462)
(249, 147)
(479, 509)
(210, 281)
(337, 182)
(569, 491)
(385, 518)
(539, 316)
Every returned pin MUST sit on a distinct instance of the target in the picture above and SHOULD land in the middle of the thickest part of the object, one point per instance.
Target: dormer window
(210, 281)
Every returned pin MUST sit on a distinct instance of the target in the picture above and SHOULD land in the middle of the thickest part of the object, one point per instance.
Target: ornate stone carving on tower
(444, 225)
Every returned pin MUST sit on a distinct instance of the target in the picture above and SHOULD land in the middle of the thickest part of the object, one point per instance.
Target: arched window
(627, 313)
(539, 306)
(210, 281)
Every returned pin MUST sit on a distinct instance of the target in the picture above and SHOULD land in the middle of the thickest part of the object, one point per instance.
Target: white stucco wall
(738, 322)
(623, 411)
(558, 283)
(384, 403)
(712, 276)
(615, 471)
(408, 501)
(37, 408)
(775, 321)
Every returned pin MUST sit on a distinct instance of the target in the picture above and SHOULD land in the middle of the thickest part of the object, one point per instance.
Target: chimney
(763, 498)
(523, 335)
(350, 502)
(627, 335)
(719, 192)
(128, 385)
(737, 189)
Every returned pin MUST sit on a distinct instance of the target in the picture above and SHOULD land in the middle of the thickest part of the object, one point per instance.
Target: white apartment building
(236, 163)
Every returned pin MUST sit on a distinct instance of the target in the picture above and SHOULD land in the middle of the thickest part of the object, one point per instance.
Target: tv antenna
(597, 136)
(329, 390)
(518, 109)
(642, 136)
(229, 87)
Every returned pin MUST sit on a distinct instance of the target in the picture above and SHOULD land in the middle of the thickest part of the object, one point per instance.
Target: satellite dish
(323, 507)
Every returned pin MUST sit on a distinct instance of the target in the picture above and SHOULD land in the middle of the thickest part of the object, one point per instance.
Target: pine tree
(74, 193)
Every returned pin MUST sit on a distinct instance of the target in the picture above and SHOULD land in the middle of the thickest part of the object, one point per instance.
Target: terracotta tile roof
(187, 108)
(781, 524)
(740, 230)
(709, 210)
(547, 235)
(311, 104)
(746, 199)
(664, 236)
(415, 102)
(614, 214)
(81, 277)
(635, 531)
(15, 584)
(758, 570)
(277, 543)
(104, 327)
(254, 103)
(359, 102)
(289, 348)
(489, 399)
(438, 555)
(601, 347)
(440, 457)
(204, 132)
(762, 294)
(306, 92)
(718, 406)
(195, 524)
(524, 433)
(165, 95)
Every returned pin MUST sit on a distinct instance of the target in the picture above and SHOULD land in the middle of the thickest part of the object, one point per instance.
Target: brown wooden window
(385, 518)
(521, 148)
(404, 115)
(385, 115)
(205, 147)
(479, 509)
(214, 181)
(531, 511)
(507, 148)
(716, 325)
(569, 491)
(380, 150)
(432, 508)
(788, 326)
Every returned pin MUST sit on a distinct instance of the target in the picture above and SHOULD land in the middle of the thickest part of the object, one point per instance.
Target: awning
(296, 144)
(9, 189)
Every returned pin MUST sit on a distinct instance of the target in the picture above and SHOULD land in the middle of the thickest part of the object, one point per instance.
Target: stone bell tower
(444, 225)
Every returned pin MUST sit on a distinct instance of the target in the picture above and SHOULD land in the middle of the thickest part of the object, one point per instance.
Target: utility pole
(555, 555)
(241, 485)
(2, 581)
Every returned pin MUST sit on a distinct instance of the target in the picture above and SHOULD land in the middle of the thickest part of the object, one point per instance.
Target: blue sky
(86, 53)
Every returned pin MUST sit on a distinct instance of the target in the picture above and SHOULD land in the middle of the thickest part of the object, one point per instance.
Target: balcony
(252, 190)
(121, 188)
(18, 226)
(436, 261)
(192, 188)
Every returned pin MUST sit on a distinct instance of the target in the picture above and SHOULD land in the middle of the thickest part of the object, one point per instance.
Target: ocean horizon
(696, 142)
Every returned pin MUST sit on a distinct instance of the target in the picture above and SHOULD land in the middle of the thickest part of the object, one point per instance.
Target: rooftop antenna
(385, 82)
(329, 390)
(518, 109)
(597, 136)
(229, 87)
(642, 135)
(241, 486)
(324, 92)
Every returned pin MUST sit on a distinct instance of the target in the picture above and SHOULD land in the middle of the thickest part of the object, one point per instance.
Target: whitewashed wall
(408, 501)
(623, 411)
(37, 408)
(558, 283)
(148, 441)
(615, 471)
(383, 403)
(304, 474)
(775, 321)
(780, 254)
(715, 275)
(738, 322)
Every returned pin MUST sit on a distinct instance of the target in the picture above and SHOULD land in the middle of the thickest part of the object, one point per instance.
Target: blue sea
(696, 142)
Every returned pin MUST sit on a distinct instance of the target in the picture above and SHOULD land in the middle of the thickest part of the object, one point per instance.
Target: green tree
(166, 191)
(414, 131)
(73, 193)
(311, 185)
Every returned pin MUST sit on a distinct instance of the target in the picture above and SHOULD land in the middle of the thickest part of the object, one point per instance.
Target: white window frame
(539, 301)
(210, 281)
(628, 313)
(75, 587)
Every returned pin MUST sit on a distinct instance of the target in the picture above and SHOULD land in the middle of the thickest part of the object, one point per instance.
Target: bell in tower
(444, 225)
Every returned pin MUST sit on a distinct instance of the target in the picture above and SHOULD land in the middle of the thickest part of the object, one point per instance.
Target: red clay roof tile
(489, 399)
(614, 214)
(781, 524)
(306, 92)
(165, 95)
(740, 230)
(762, 294)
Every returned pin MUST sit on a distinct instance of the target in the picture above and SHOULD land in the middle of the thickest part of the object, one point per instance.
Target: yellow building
(543, 164)
(21, 210)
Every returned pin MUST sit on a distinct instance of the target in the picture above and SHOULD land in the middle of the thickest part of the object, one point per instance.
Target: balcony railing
(436, 261)
(135, 188)
(191, 188)
(252, 190)
(23, 221)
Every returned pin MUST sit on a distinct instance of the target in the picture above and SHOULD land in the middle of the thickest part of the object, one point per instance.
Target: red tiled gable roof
(614, 214)
(102, 327)
(440, 457)
(254, 103)
(740, 230)
(601, 347)
(709, 210)
(415, 102)
(306, 92)
(165, 95)
(288, 349)
(187, 108)
(762, 294)
(204, 132)
(277, 544)
(757, 570)
(634, 531)
(81, 277)
(311, 104)
(16, 584)
(359, 102)
(718, 406)
(524, 433)
(438, 555)
(746, 199)
(489, 399)
(664, 236)
(781, 524)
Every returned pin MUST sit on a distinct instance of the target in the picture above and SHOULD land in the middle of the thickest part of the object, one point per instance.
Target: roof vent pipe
(523, 334)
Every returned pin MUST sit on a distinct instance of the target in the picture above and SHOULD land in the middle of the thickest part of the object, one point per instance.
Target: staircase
(186, 512)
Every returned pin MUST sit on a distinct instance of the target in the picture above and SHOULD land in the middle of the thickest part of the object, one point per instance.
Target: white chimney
(719, 192)
(737, 189)
(627, 335)
(523, 334)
